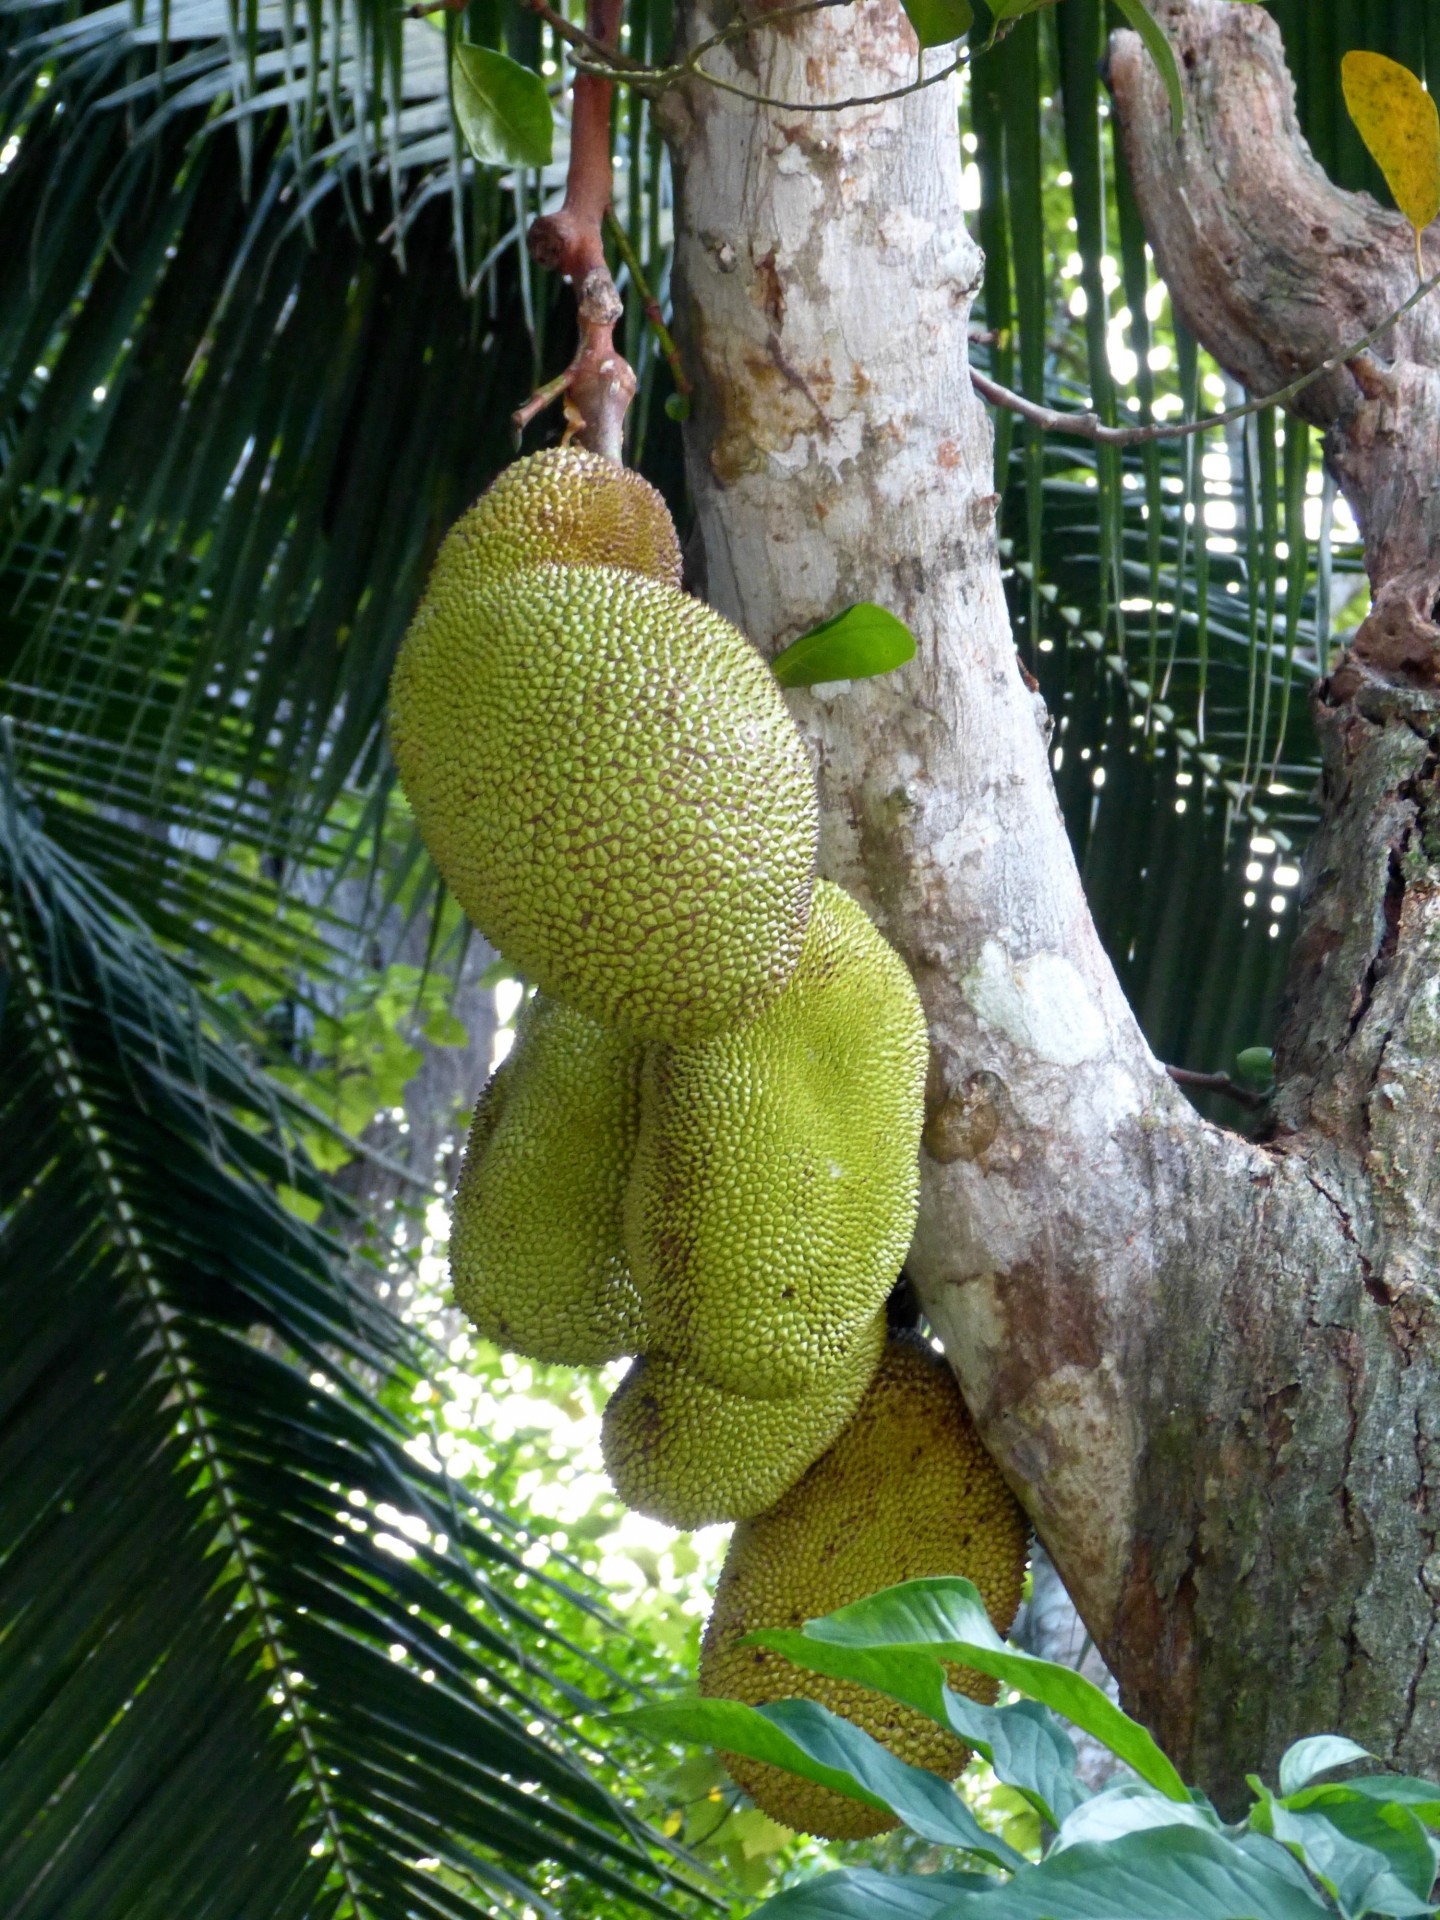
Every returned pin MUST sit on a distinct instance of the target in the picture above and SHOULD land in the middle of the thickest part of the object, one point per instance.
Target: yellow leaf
(1396, 119)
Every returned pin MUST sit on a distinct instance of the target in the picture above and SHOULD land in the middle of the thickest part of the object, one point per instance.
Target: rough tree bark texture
(1201, 1362)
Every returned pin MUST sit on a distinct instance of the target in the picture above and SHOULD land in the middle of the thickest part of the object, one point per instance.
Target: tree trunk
(1202, 1362)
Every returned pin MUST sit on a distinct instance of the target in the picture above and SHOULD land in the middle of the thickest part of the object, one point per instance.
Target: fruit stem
(599, 383)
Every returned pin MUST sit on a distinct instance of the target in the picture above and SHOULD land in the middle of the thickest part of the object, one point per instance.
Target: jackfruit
(536, 1255)
(688, 1454)
(906, 1492)
(602, 768)
(776, 1178)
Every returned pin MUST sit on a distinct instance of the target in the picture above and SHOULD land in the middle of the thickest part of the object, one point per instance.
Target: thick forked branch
(599, 383)
(1275, 270)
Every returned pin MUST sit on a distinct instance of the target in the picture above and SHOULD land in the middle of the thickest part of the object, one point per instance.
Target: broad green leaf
(806, 1738)
(1166, 1873)
(1422, 1797)
(503, 109)
(1396, 119)
(1027, 1748)
(1161, 52)
(1370, 1859)
(1302, 1761)
(1257, 1065)
(1130, 1807)
(855, 645)
(862, 1894)
(946, 1619)
(938, 22)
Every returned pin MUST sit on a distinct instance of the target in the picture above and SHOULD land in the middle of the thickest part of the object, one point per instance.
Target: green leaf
(876, 1641)
(503, 109)
(1302, 1761)
(938, 22)
(1369, 1858)
(862, 1894)
(855, 645)
(1006, 10)
(1165, 1873)
(1257, 1065)
(807, 1739)
(1389, 1789)
(1131, 1807)
(1162, 53)
(1027, 1748)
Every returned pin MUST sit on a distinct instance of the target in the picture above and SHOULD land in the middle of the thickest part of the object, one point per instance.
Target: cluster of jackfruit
(702, 1149)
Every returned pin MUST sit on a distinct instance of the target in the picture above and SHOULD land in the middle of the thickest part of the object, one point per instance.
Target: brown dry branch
(599, 383)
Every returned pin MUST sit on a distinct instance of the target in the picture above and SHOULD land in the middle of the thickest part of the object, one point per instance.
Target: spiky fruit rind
(605, 773)
(536, 1254)
(688, 1454)
(907, 1492)
(776, 1178)
(571, 507)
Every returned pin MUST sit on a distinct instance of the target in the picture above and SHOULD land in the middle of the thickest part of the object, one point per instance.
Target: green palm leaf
(230, 1684)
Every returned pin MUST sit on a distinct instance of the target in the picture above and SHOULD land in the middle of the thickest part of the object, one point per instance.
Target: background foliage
(261, 328)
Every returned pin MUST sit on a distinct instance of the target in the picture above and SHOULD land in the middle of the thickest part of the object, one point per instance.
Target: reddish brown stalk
(599, 383)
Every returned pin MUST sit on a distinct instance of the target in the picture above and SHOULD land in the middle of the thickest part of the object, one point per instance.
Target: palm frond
(259, 1656)
(240, 399)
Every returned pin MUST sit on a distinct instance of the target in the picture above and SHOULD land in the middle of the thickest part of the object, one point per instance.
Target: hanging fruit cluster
(702, 1149)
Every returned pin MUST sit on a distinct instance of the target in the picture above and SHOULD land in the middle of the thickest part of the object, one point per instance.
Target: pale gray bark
(1177, 1343)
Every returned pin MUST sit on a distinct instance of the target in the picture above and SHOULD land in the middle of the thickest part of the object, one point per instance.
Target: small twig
(834, 106)
(599, 383)
(656, 80)
(745, 24)
(1219, 1083)
(614, 62)
(539, 400)
(1089, 426)
(664, 338)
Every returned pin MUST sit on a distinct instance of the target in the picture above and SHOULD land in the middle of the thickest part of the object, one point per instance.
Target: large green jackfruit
(906, 1493)
(776, 1177)
(536, 1254)
(688, 1454)
(603, 768)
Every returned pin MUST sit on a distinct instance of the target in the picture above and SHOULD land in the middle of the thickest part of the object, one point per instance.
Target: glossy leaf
(1131, 1807)
(1304, 1760)
(1369, 1858)
(945, 1619)
(862, 1894)
(854, 645)
(503, 109)
(805, 1738)
(938, 22)
(1165, 1873)
(1028, 1749)
(1257, 1065)
(1397, 120)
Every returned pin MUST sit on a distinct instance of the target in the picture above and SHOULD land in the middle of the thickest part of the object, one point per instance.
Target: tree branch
(1220, 1083)
(599, 383)
(1089, 426)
